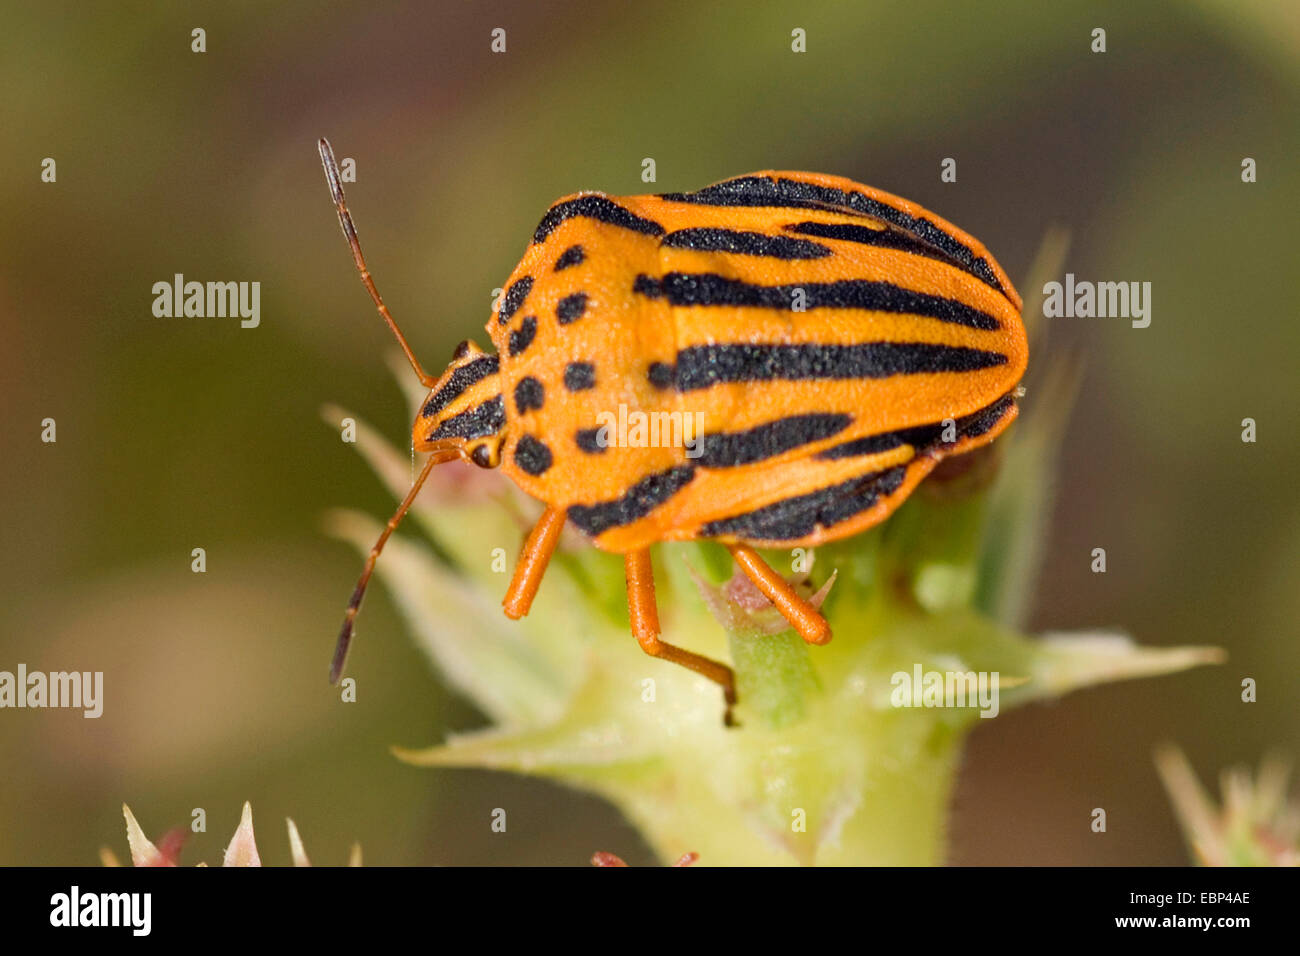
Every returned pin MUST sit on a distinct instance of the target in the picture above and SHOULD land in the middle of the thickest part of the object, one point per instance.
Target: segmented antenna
(335, 181)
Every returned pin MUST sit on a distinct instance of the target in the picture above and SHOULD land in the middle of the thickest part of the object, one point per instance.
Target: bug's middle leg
(803, 617)
(533, 558)
(644, 615)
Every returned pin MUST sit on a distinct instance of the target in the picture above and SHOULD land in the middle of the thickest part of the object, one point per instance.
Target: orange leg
(534, 557)
(644, 615)
(803, 617)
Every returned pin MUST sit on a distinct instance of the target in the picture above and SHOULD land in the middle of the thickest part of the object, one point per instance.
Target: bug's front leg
(803, 617)
(644, 615)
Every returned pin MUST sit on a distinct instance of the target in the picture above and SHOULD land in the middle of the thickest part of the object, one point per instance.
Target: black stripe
(466, 375)
(522, 337)
(641, 499)
(922, 437)
(761, 191)
(745, 243)
(479, 422)
(529, 394)
(885, 238)
(532, 456)
(792, 194)
(571, 256)
(594, 207)
(975, 425)
(727, 449)
(571, 308)
(514, 298)
(661, 375)
(707, 288)
(579, 376)
(802, 515)
(702, 366)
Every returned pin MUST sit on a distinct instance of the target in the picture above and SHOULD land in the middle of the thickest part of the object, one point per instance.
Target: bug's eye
(461, 350)
(482, 456)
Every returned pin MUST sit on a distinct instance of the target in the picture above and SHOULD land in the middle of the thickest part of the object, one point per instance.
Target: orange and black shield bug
(828, 344)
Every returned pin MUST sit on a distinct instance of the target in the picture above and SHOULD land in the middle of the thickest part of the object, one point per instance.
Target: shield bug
(828, 344)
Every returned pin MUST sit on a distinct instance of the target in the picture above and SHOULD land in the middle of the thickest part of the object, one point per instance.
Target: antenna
(350, 234)
(345, 635)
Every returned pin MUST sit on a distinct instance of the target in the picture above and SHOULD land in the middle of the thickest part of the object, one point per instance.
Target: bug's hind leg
(803, 617)
(533, 558)
(644, 615)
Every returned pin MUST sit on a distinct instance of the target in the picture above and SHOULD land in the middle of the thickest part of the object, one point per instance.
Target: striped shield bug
(828, 343)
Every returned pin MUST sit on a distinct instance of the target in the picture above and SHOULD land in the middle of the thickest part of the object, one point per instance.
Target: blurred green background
(183, 433)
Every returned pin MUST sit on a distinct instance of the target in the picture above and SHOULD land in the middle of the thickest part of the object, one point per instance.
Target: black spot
(481, 456)
(642, 498)
(532, 456)
(461, 350)
(661, 375)
(571, 256)
(514, 298)
(589, 440)
(523, 336)
(529, 394)
(571, 308)
(579, 376)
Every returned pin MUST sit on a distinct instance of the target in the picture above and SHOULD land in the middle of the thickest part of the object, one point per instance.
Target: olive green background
(183, 433)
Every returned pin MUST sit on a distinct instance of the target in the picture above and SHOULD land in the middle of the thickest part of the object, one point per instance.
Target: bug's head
(465, 411)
